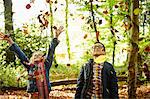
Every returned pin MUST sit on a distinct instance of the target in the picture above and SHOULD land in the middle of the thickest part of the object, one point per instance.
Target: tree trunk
(111, 30)
(51, 28)
(67, 35)
(133, 55)
(8, 14)
(51, 19)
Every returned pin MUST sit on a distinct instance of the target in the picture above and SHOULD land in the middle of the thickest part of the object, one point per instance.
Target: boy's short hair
(100, 44)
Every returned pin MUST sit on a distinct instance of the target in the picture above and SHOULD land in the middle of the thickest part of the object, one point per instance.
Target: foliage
(28, 43)
(33, 39)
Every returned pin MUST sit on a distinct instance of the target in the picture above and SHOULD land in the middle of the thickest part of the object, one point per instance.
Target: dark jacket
(109, 81)
(31, 87)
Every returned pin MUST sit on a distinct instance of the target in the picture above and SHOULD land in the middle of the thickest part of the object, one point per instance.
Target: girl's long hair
(35, 54)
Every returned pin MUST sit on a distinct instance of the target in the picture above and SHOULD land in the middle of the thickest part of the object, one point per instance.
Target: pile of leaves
(142, 92)
(68, 93)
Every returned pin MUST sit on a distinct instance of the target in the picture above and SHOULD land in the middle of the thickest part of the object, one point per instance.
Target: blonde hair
(36, 54)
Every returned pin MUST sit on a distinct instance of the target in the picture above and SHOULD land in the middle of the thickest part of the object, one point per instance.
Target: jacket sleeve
(80, 83)
(51, 50)
(20, 54)
(113, 83)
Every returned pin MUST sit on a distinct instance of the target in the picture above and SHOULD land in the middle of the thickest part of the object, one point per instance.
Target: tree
(67, 35)
(133, 55)
(8, 14)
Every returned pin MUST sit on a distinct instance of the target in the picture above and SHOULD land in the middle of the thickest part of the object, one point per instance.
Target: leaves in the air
(136, 11)
(85, 36)
(47, 1)
(147, 49)
(25, 29)
(55, 2)
(43, 19)
(32, 1)
(55, 9)
(28, 6)
(105, 12)
(127, 25)
(116, 6)
(100, 22)
(82, 17)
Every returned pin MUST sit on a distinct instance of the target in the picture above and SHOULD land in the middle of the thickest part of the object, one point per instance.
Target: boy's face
(98, 50)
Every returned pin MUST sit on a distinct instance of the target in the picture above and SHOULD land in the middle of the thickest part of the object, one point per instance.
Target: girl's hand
(6, 37)
(59, 31)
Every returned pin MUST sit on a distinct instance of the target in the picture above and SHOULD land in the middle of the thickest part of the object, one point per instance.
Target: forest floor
(63, 92)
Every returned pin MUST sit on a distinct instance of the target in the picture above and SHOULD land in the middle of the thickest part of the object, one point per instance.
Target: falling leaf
(136, 11)
(47, 1)
(127, 25)
(116, 30)
(121, 3)
(105, 12)
(116, 6)
(55, 2)
(89, 20)
(85, 36)
(43, 19)
(100, 22)
(68, 64)
(141, 38)
(32, 1)
(71, 14)
(82, 17)
(28, 6)
(25, 29)
(55, 9)
(147, 49)
(97, 6)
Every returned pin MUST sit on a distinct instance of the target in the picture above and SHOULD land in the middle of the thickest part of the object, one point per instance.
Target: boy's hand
(59, 31)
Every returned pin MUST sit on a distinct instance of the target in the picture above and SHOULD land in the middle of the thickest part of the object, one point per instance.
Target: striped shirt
(96, 90)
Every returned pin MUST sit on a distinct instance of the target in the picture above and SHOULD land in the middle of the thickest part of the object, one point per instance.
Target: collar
(100, 59)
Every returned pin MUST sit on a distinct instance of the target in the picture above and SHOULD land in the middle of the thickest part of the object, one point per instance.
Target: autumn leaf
(32, 1)
(105, 12)
(47, 1)
(85, 36)
(25, 29)
(116, 6)
(28, 6)
(136, 11)
(100, 22)
(43, 19)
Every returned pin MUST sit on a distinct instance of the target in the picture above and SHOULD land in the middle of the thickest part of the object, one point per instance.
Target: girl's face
(37, 57)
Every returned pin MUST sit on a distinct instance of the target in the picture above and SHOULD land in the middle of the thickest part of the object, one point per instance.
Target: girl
(38, 67)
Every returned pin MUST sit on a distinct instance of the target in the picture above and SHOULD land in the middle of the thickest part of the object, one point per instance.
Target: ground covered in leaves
(63, 92)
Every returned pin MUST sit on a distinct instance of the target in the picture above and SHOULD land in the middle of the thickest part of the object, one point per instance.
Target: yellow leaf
(136, 11)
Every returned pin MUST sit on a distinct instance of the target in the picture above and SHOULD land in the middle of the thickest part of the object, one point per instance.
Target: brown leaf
(47, 1)
(116, 6)
(105, 12)
(85, 36)
(28, 6)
